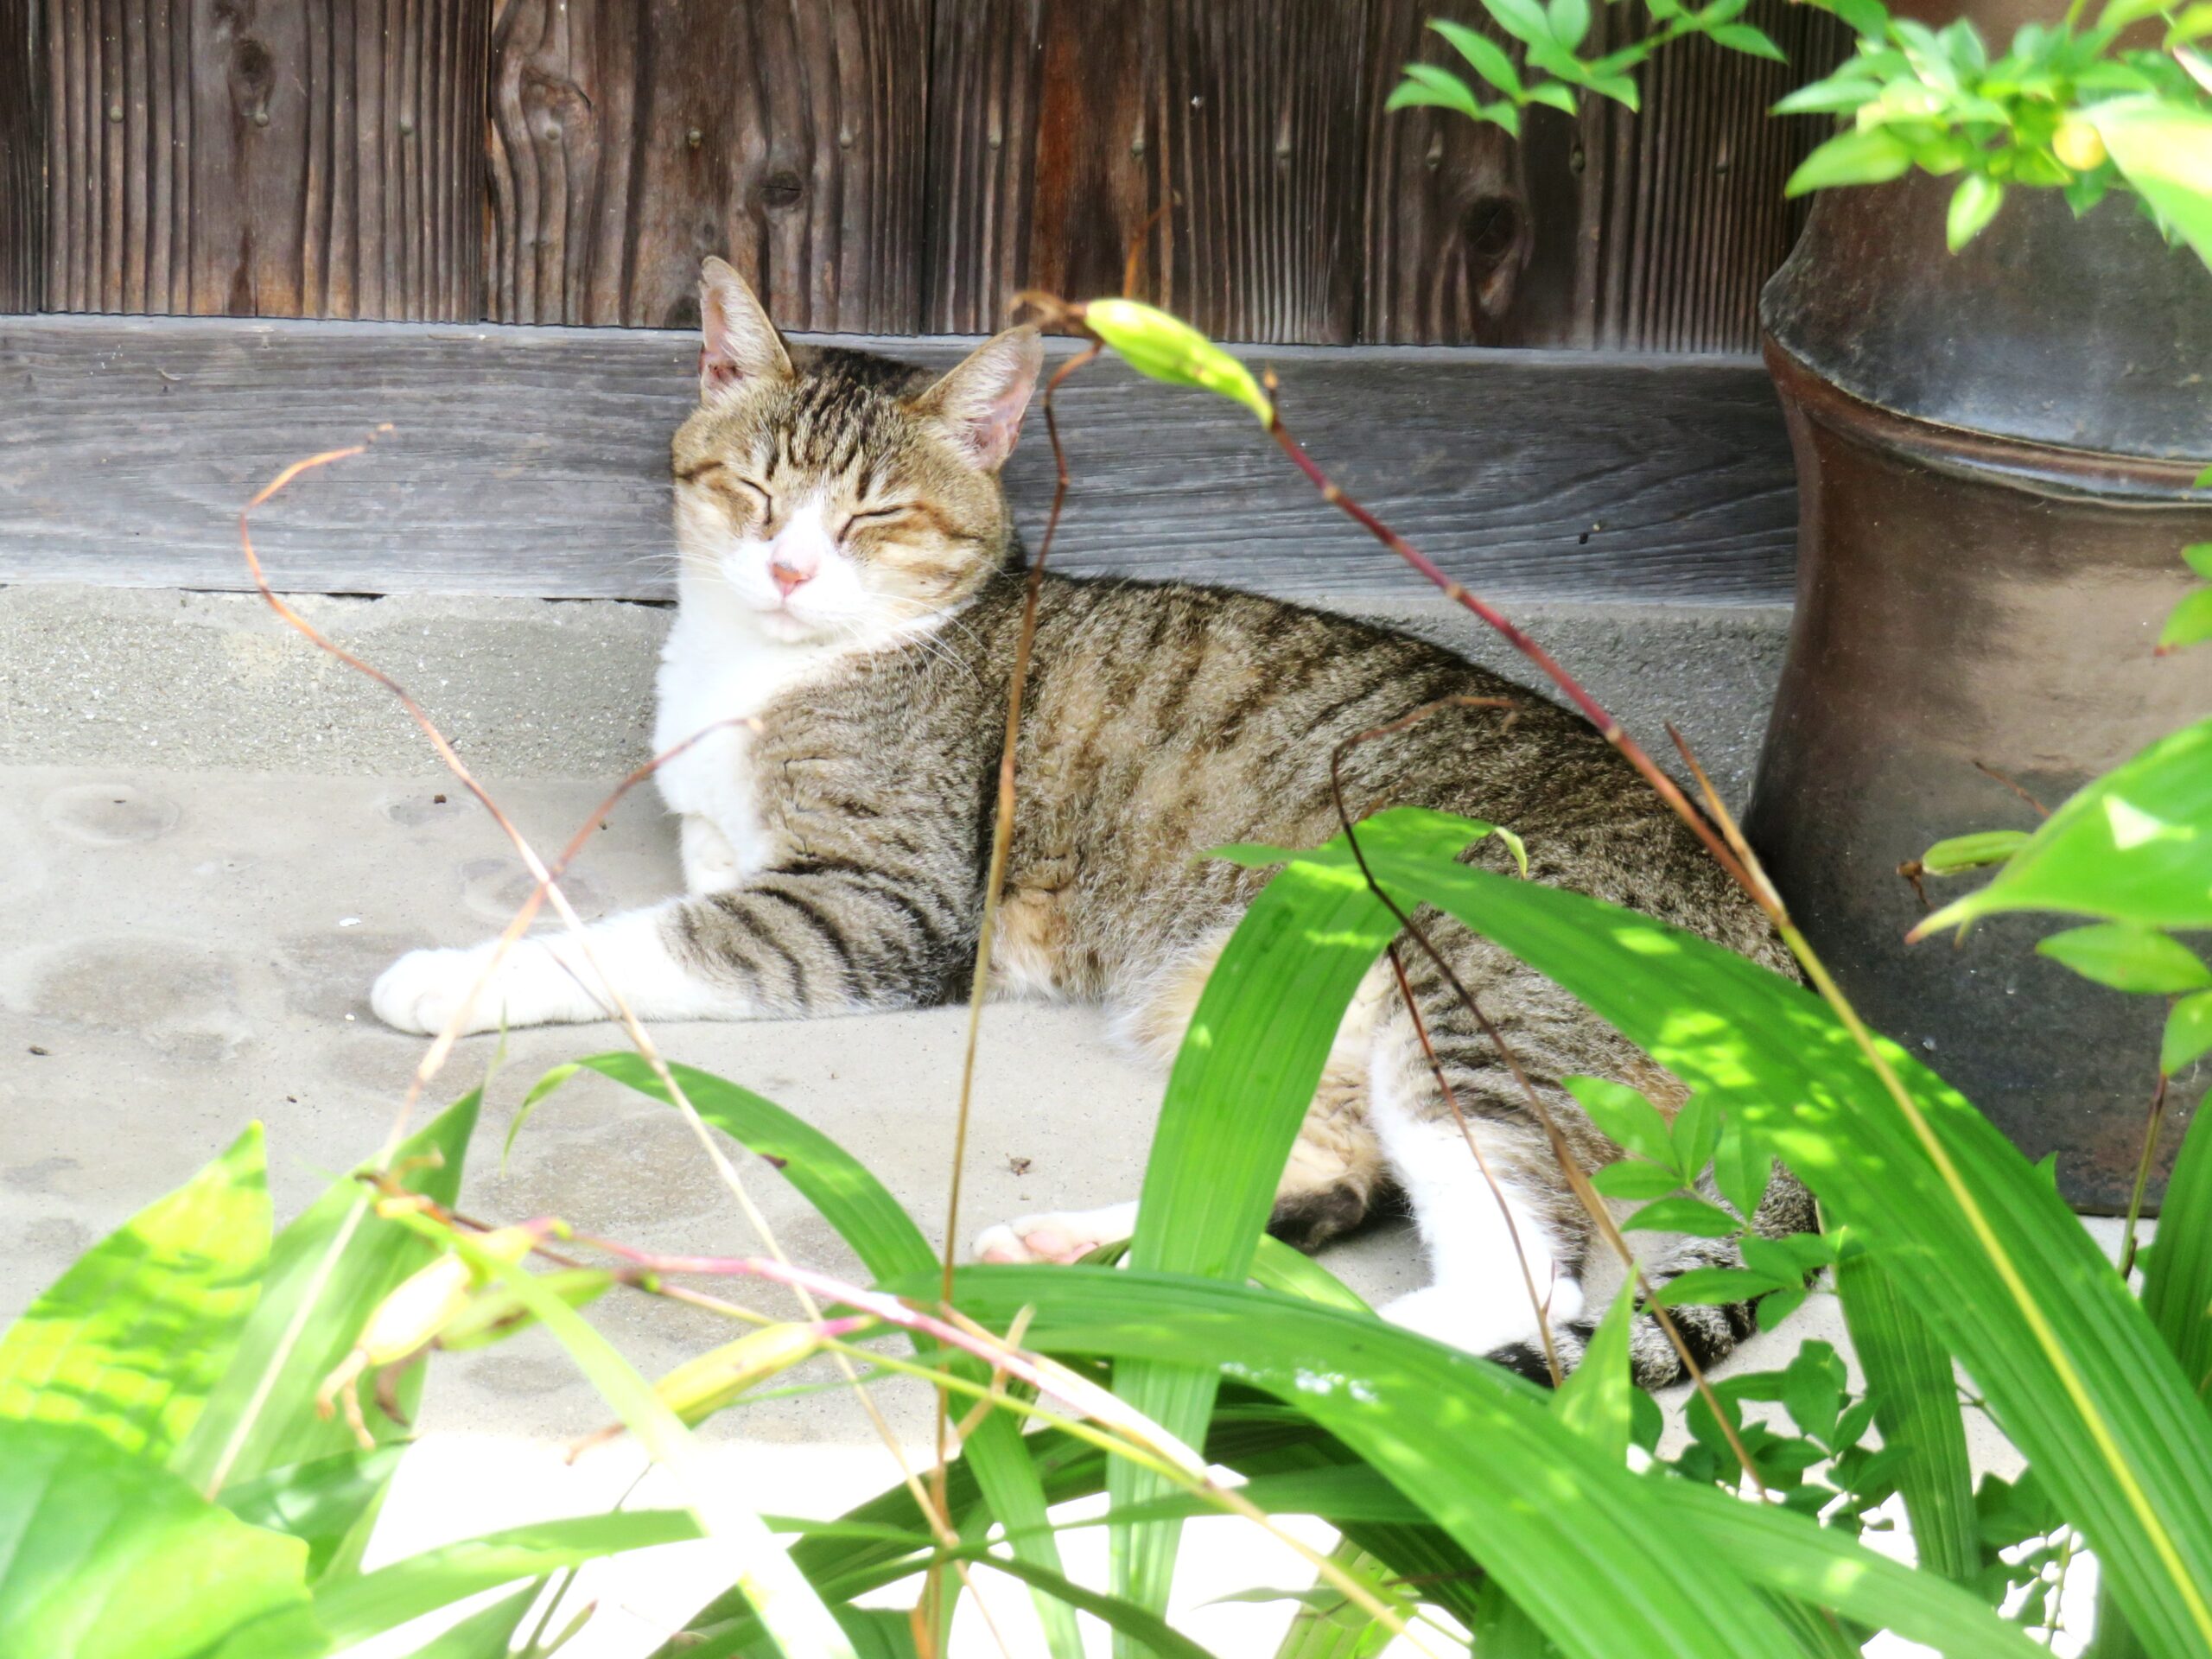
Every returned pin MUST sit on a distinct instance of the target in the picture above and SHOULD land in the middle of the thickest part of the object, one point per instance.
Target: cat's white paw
(1063, 1235)
(710, 861)
(423, 990)
(1482, 1320)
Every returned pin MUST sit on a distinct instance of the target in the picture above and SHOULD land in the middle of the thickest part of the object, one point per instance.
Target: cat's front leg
(709, 860)
(549, 978)
(794, 941)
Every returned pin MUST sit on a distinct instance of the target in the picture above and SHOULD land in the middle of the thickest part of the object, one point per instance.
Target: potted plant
(1994, 369)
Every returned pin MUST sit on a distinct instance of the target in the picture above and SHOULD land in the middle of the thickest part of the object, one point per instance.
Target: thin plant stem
(2153, 1122)
(995, 880)
(545, 887)
(1540, 1303)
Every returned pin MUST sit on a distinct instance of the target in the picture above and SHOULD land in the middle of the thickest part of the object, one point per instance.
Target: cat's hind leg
(1335, 1171)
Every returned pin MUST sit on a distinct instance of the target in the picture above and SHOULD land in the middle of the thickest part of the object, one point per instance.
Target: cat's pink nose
(788, 579)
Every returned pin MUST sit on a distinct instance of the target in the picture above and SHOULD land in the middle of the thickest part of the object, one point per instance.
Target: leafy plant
(2066, 107)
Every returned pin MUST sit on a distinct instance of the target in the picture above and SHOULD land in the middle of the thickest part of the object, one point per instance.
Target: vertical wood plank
(22, 158)
(323, 159)
(1640, 232)
(1265, 153)
(1059, 129)
(629, 142)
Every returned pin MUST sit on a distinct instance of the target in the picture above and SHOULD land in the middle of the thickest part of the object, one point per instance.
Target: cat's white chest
(718, 677)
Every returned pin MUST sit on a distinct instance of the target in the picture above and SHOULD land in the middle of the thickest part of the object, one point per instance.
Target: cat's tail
(1709, 1330)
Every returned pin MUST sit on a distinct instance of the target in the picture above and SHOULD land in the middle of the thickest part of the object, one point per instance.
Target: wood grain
(1649, 232)
(533, 461)
(22, 158)
(630, 141)
(224, 157)
(1057, 131)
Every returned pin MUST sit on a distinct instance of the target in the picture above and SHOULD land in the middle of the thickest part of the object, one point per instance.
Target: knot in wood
(781, 189)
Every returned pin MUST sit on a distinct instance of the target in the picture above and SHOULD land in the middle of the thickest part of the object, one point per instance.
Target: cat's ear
(981, 401)
(738, 345)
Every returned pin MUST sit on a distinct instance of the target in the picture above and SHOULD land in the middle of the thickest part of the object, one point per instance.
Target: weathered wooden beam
(533, 461)
(22, 158)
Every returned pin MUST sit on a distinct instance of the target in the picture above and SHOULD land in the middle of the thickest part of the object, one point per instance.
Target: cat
(851, 587)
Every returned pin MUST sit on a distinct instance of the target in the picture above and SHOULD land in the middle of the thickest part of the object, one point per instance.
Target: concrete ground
(211, 840)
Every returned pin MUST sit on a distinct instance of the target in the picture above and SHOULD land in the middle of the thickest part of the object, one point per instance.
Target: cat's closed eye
(889, 515)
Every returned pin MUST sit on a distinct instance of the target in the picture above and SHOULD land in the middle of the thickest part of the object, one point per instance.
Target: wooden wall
(879, 166)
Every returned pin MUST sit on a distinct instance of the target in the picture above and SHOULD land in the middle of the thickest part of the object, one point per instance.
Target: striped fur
(835, 846)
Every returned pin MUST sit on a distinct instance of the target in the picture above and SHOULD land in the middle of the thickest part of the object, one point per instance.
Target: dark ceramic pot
(1994, 453)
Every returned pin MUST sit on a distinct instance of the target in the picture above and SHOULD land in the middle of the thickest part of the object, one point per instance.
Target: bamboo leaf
(850, 1198)
(327, 1271)
(1957, 853)
(2178, 1268)
(2164, 150)
(2012, 1284)
(2188, 1033)
(133, 1337)
(2128, 957)
(2134, 845)
(1454, 1435)
(1627, 1120)
(318, 1501)
(1685, 1215)
(104, 1556)
(1917, 1404)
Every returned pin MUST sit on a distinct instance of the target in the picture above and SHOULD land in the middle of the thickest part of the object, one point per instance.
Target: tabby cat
(850, 581)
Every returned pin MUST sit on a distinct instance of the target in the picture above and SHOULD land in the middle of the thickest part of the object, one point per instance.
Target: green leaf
(1597, 1399)
(1277, 1266)
(133, 1337)
(1632, 1178)
(2189, 623)
(1625, 1117)
(1916, 1402)
(317, 1503)
(2134, 845)
(1569, 21)
(1838, 95)
(2164, 149)
(1554, 95)
(1714, 1286)
(104, 1556)
(1742, 37)
(2014, 1287)
(1619, 88)
(1742, 1169)
(787, 1603)
(2198, 555)
(1524, 20)
(851, 1199)
(2188, 1033)
(1867, 156)
(1684, 1215)
(2127, 957)
(1168, 349)
(1387, 1393)
(2177, 1270)
(1956, 853)
(1484, 55)
(1868, 18)
(327, 1272)
(1974, 204)
(1427, 84)
(1239, 1089)
(1695, 1133)
(485, 1634)
(2119, 14)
